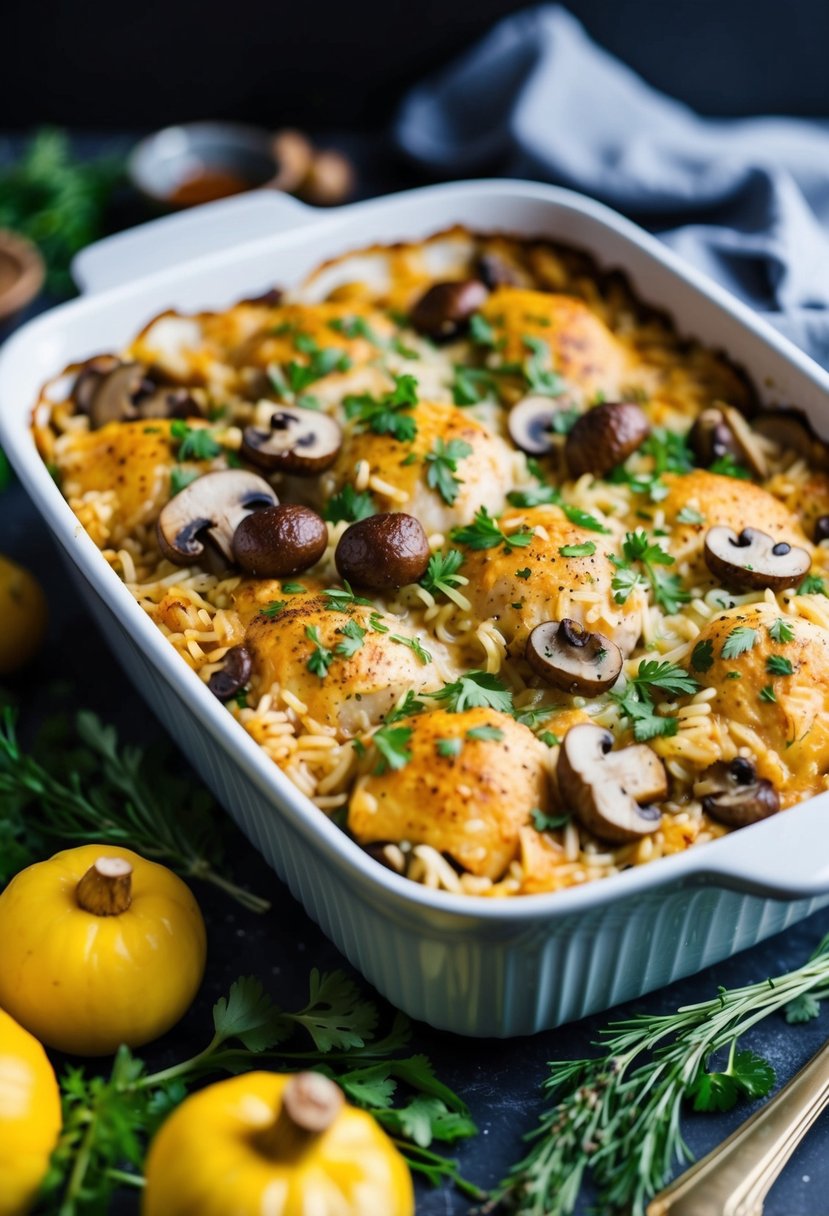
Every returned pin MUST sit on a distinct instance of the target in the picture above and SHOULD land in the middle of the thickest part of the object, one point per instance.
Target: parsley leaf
(767, 693)
(195, 443)
(539, 377)
(689, 516)
(247, 1014)
(355, 327)
(668, 592)
(485, 732)
(348, 504)
(442, 465)
(321, 658)
(385, 415)
(778, 665)
(746, 1075)
(668, 677)
(473, 690)
(548, 823)
(485, 533)
(802, 1009)
(587, 549)
(322, 360)
(781, 630)
(449, 747)
(442, 576)
(481, 332)
(406, 708)
(702, 656)
(340, 599)
(727, 466)
(336, 1017)
(471, 385)
(740, 640)
(414, 644)
(812, 584)
(352, 635)
(392, 744)
(179, 478)
(293, 588)
(273, 608)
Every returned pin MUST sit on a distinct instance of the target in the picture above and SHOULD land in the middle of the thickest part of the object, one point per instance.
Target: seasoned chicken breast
(745, 654)
(435, 476)
(348, 668)
(470, 805)
(522, 587)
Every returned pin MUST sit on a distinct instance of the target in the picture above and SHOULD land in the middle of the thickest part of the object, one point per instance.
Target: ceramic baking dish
(467, 964)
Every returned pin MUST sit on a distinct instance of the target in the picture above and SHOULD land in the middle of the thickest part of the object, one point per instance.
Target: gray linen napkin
(537, 98)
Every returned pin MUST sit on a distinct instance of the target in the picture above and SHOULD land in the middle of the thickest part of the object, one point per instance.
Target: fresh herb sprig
(618, 1116)
(386, 415)
(668, 591)
(108, 1121)
(442, 578)
(636, 699)
(100, 790)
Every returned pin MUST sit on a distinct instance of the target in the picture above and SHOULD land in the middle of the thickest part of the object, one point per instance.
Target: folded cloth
(538, 98)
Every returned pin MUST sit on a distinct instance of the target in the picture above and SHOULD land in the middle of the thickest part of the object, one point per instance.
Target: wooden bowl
(21, 273)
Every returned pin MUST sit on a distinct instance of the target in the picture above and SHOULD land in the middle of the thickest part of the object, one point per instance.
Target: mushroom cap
(605, 436)
(114, 398)
(383, 552)
(792, 431)
(212, 506)
(281, 540)
(754, 560)
(531, 424)
(733, 794)
(444, 309)
(568, 657)
(233, 675)
(606, 788)
(721, 431)
(300, 441)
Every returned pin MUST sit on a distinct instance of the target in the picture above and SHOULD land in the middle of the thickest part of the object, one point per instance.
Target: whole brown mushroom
(279, 541)
(605, 436)
(443, 311)
(383, 552)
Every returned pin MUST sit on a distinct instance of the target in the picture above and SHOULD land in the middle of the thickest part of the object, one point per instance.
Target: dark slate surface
(500, 1080)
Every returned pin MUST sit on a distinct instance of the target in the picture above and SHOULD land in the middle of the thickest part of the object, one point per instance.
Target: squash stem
(106, 887)
(310, 1104)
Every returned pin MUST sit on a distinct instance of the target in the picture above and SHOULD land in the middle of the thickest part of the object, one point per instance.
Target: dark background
(102, 65)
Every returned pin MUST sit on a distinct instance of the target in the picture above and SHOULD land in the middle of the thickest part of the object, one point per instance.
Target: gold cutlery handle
(736, 1176)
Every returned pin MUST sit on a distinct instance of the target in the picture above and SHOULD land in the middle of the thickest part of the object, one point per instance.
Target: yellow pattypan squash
(269, 1145)
(22, 616)
(99, 947)
(29, 1116)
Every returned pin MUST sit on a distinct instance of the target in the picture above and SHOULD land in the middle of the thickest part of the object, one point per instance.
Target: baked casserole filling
(517, 584)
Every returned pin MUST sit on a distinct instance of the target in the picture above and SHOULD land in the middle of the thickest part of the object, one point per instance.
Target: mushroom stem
(310, 1104)
(106, 887)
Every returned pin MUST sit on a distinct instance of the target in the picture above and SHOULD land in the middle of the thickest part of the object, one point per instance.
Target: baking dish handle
(185, 235)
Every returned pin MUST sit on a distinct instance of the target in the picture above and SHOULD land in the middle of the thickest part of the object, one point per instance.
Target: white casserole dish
(467, 964)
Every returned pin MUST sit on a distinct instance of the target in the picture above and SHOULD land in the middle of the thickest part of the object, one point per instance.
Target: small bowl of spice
(200, 162)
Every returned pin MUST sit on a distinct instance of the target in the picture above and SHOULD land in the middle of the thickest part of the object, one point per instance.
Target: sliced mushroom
(89, 379)
(792, 431)
(168, 403)
(114, 398)
(609, 791)
(233, 675)
(279, 541)
(110, 391)
(444, 310)
(494, 272)
(297, 441)
(210, 508)
(753, 560)
(821, 529)
(532, 424)
(383, 552)
(723, 431)
(568, 657)
(734, 795)
(604, 437)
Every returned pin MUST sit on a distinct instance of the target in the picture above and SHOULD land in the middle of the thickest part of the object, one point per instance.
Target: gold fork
(734, 1179)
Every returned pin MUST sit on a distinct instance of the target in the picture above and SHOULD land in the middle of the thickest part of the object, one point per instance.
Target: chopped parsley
(812, 584)
(321, 658)
(406, 708)
(635, 701)
(352, 635)
(349, 504)
(547, 737)
(739, 641)
(668, 592)
(727, 466)
(781, 630)
(702, 656)
(355, 327)
(689, 516)
(543, 495)
(471, 385)
(392, 742)
(485, 533)
(414, 644)
(587, 549)
(442, 576)
(766, 694)
(481, 332)
(485, 732)
(179, 478)
(474, 690)
(322, 360)
(778, 665)
(442, 466)
(666, 676)
(449, 747)
(386, 415)
(340, 599)
(670, 454)
(195, 443)
(548, 823)
(539, 377)
(525, 573)
(293, 588)
(274, 608)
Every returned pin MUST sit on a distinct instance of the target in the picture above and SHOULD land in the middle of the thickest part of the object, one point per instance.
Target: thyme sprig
(618, 1116)
(105, 791)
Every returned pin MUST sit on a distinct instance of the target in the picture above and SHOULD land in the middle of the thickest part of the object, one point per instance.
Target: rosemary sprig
(617, 1117)
(109, 1121)
(104, 791)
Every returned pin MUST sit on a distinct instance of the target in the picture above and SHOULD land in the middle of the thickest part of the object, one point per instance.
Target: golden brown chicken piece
(480, 478)
(361, 660)
(788, 714)
(294, 330)
(469, 806)
(522, 587)
(581, 347)
(130, 460)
